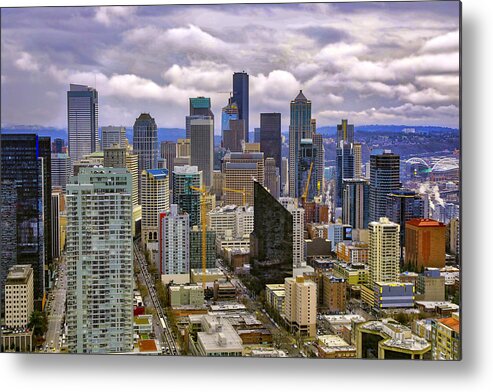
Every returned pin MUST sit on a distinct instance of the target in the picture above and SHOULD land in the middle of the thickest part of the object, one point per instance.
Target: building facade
(174, 242)
(202, 146)
(155, 198)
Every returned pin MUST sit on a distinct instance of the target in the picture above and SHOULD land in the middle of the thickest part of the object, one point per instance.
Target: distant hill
(171, 134)
(332, 130)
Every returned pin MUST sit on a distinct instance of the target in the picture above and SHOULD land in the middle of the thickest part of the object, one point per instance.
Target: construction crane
(203, 223)
(244, 192)
(307, 186)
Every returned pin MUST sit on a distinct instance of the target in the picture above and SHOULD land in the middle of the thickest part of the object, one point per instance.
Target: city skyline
(376, 63)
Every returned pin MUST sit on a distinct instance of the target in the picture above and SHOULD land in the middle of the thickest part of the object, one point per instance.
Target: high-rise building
(55, 224)
(299, 128)
(45, 156)
(19, 296)
(234, 137)
(384, 179)
(240, 171)
(270, 137)
(200, 107)
(344, 168)
(100, 261)
(345, 132)
(155, 198)
(271, 242)
(202, 146)
(298, 215)
(446, 338)
(402, 206)
(183, 148)
(425, 244)
(454, 238)
(284, 176)
(58, 146)
(112, 135)
(241, 98)
(334, 293)
(229, 112)
(61, 170)
(272, 178)
(196, 248)
(300, 306)
(355, 202)
(174, 242)
(256, 135)
(82, 110)
(145, 144)
(384, 254)
(358, 160)
(168, 152)
(319, 149)
(23, 168)
(185, 197)
(121, 157)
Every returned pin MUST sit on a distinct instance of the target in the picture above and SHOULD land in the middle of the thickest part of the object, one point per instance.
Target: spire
(301, 97)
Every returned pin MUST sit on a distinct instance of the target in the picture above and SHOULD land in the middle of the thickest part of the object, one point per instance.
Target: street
(55, 309)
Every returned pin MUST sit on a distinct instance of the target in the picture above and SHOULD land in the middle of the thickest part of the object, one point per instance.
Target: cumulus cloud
(350, 60)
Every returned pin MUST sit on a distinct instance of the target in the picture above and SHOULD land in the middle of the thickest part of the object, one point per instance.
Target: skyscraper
(402, 206)
(55, 224)
(241, 97)
(345, 132)
(61, 170)
(357, 160)
(196, 248)
(174, 242)
(22, 172)
(355, 202)
(154, 199)
(45, 156)
(234, 137)
(384, 179)
(100, 262)
(58, 146)
(185, 197)
(112, 135)
(284, 176)
(271, 242)
(344, 168)
(121, 157)
(270, 137)
(271, 177)
(82, 110)
(202, 146)
(240, 171)
(229, 112)
(145, 144)
(384, 254)
(199, 106)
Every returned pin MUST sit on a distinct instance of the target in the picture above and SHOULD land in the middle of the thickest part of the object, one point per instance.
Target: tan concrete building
(155, 198)
(301, 306)
(19, 296)
(425, 243)
(384, 251)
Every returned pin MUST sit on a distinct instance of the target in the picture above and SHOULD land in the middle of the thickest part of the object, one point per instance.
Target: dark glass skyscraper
(145, 144)
(22, 173)
(271, 242)
(241, 97)
(402, 206)
(270, 137)
(44, 143)
(344, 168)
(384, 179)
(355, 202)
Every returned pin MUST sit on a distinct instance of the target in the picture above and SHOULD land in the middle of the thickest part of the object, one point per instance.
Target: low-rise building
(255, 336)
(333, 346)
(431, 285)
(334, 293)
(216, 338)
(186, 294)
(394, 295)
(445, 338)
(354, 274)
(275, 295)
(356, 252)
(19, 296)
(143, 324)
(388, 339)
(224, 290)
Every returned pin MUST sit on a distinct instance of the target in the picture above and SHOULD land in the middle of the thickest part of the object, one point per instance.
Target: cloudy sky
(374, 63)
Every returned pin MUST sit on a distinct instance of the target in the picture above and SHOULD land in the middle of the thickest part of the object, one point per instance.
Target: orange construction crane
(244, 192)
(203, 223)
(307, 186)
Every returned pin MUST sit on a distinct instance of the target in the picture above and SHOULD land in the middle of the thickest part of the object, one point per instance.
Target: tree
(38, 322)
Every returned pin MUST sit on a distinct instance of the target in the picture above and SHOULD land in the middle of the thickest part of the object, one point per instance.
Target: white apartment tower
(384, 251)
(100, 261)
(174, 242)
(155, 198)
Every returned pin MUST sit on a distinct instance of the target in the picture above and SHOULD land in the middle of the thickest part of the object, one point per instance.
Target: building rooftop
(218, 336)
(148, 346)
(186, 169)
(424, 222)
(158, 173)
(19, 274)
